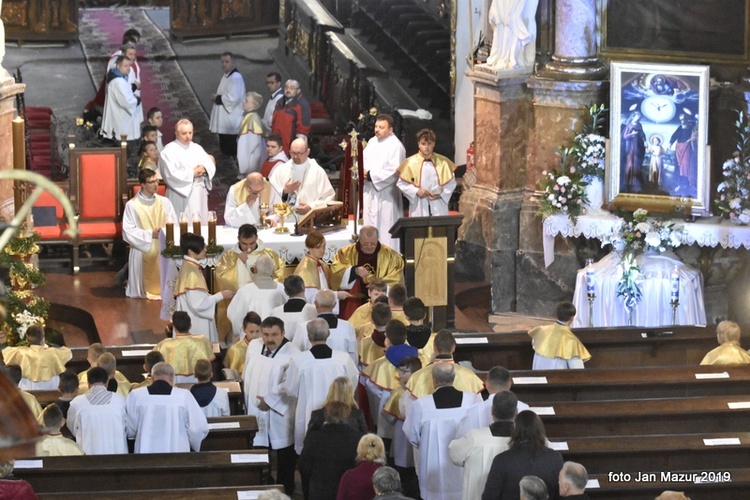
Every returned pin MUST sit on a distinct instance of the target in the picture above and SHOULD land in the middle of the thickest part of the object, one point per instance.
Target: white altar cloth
(655, 283)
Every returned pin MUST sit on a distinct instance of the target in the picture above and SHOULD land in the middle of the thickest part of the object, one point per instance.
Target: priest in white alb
(302, 183)
(188, 172)
(121, 105)
(142, 221)
(310, 375)
(260, 295)
(244, 201)
(382, 198)
(427, 179)
(266, 363)
(163, 418)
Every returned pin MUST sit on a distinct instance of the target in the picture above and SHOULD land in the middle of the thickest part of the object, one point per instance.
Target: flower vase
(594, 191)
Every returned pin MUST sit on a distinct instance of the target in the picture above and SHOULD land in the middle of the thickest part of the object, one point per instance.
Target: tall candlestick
(675, 290)
(19, 158)
(589, 278)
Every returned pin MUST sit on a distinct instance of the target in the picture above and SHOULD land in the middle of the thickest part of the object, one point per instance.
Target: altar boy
(555, 346)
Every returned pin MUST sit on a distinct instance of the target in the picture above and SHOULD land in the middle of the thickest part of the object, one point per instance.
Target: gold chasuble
(420, 383)
(369, 351)
(411, 169)
(391, 406)
(728, 353)
(251, 123)
(235, 357)
(390, 264)
(38, 363)
(190, 278)
(184, 350)
(241, 192)
(382, 373)
(557, 341)
(150, 217)
(309, 270)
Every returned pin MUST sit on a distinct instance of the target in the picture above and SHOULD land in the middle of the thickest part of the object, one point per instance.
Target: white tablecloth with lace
(708, 232)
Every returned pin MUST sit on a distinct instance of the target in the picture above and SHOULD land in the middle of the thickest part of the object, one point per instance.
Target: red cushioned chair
(98, 192)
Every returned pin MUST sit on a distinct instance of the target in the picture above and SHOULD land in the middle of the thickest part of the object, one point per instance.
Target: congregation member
(420, 383)
(155, 118)
(188, 172)
(265, 369)
(356, 483)
(328, 452)
(340, 391)
(556, 347)
(245, 199)
(572, 481)
(301, 182)
(729, 352)
(291, 117)
(430, 426)
(151, 359)
(532, 488)
(371, 336)
(262, 294)
(93, 354)
(527, 454)
(214, 401)
(382, 205)
(273, 84)
(498, 380)
(52, 442)
(41, 365)
(184, 350)
(377, 291)
(313, 269)
(251, 145)
(341, 337)
(310, 375)
(381, 377)
(145, 215)
(13, 372)
(226, 113)
(356, 265)
(418, 331)
(387, 484)
(68, 391)
(296, 309)
(191, 291)
(163, 418)
(426, 179)
(234, 359)
(98, 419)
(108, 362)
(121, 105)
(475, 450)
(275, 156)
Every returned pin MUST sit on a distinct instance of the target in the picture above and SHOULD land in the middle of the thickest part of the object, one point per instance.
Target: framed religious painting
(658, 156)
(676, 30)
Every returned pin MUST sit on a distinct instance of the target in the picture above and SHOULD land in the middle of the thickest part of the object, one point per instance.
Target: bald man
(245, 198)
(301, 182)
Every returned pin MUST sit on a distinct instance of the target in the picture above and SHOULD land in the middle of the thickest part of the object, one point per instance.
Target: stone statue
(514, 34)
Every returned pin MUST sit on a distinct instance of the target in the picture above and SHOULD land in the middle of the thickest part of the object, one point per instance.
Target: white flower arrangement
(24, 320)
(733, 202)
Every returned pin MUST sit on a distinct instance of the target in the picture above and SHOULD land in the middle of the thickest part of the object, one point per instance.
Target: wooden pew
(644, 416)
(235, 432)
(213, 493)
(736, 489)
(143, 471)
(622, 347)
(602, 454)
(629, 383)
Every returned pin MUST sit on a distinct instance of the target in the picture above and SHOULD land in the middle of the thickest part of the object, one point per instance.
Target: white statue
(514, 34)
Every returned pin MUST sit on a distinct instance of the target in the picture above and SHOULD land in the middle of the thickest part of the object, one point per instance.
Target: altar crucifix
(351, 178)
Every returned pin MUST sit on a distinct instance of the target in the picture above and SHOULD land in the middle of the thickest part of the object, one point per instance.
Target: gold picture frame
(658, 156)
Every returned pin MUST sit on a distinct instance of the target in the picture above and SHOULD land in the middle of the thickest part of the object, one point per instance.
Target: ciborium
(282, 210)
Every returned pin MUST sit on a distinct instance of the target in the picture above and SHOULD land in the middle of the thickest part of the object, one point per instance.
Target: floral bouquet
(637, 233)
(733, 200)
(628, 287)
(589, 146)
(562, 189)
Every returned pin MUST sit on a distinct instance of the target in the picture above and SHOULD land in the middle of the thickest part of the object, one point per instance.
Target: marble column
(575, 43)
(488, 239)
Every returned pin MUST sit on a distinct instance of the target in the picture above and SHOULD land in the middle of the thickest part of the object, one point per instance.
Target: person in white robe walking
(120, 115)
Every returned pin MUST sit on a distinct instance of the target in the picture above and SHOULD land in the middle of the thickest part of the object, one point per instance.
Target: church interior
(601, 152)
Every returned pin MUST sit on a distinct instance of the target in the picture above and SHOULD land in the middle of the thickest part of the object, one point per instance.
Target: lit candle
(675, 290)
(196, 223)
(211, 227)
(170, 232)
(590, 277)
(183, 223)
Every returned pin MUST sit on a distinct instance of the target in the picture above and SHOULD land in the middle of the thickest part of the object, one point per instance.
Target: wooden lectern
(428, 245)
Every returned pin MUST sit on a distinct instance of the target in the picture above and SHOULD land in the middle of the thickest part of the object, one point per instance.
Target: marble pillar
(575, 43)
(488, 239)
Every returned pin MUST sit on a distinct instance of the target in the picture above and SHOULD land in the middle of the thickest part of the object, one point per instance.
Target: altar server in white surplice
(296, 309)
(121, 105)
(430, 426)
(188, 171)
(382, 198)
(98, 418)
(301, 181)
(163, 418)
(142, 222)
(310, 375)
(342, 336)
(226, 113)
(266, 364)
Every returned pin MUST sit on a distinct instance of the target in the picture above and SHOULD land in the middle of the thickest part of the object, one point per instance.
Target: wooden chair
(98, 192)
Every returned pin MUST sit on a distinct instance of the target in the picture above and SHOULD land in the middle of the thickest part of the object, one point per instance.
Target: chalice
(263, 224)
(282, 210)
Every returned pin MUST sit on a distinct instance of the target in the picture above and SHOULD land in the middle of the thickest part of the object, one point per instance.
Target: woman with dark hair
(528, 455)
(328, 452)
